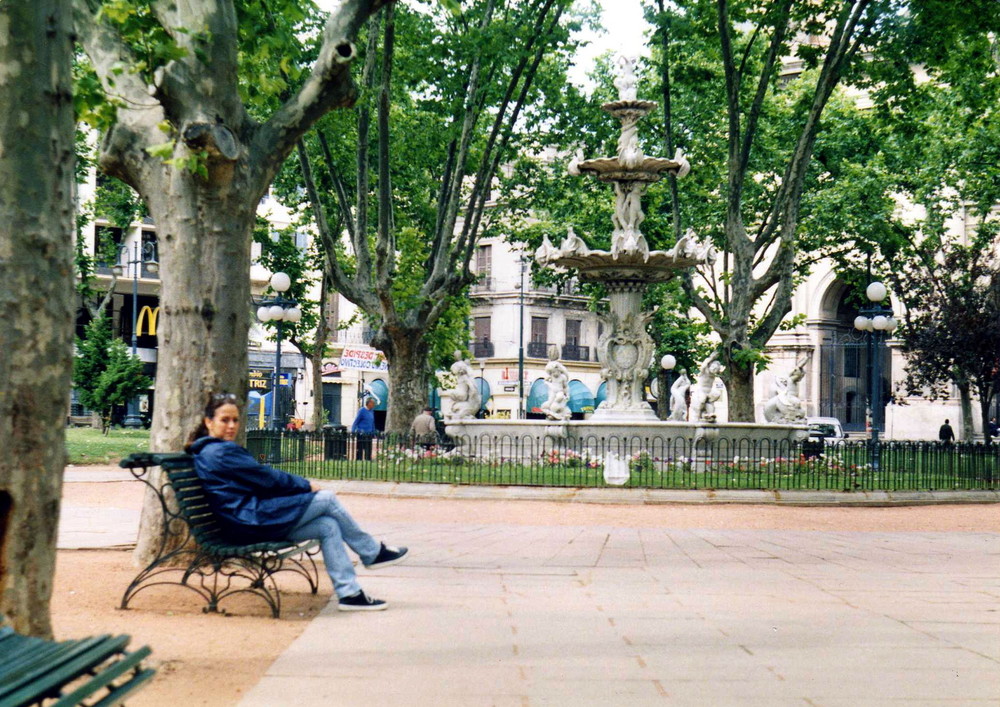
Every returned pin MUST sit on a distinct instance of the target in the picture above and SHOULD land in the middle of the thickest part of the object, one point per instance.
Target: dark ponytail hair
(215, 401)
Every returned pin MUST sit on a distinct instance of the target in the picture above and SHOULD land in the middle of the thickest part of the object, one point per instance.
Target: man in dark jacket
(946, 434)
(256, 503)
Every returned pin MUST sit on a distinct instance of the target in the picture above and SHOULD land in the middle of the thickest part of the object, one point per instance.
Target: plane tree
(775, 68)
(190, 133)
(36, 299)
(447, 98)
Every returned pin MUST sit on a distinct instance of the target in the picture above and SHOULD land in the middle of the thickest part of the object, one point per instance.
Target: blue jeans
(328, 521)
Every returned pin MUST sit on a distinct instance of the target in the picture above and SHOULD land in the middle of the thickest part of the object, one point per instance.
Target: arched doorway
(846, 361)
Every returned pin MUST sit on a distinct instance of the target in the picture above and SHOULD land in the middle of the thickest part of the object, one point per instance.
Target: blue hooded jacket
(253, 502)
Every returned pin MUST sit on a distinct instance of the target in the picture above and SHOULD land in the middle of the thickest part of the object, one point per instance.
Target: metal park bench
(194, 552)
(95, 671)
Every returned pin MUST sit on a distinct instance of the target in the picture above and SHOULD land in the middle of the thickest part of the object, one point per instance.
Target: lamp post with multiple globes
(878, 323)
(278, 309)
(143, 255)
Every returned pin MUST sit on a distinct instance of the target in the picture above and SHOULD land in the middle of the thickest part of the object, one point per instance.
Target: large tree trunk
(318, 412)
(984, 417)
(965, 400)
(204, 234)
(740, 390)
(36, 299)
(407, 353)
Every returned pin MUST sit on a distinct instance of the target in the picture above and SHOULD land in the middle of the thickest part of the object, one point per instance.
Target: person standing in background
(946, 435)
(363, 428)
(423, 429)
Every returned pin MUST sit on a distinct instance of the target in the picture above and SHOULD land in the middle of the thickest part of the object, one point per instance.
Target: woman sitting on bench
(258, 503)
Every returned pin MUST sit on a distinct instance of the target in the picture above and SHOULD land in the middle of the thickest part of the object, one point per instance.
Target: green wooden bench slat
(41, 668)
(24, 654)
(34, 657)
(118, 695)
(104, 678)
(67, 666)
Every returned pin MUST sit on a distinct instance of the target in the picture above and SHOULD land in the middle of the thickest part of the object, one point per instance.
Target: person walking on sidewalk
(258, 503)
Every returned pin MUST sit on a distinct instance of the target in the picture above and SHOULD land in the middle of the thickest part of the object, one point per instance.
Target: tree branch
(442, 239)
(489, 165)
(362, 252)
(700, 303)
(385, 246)
(328, 86)
(344, 284)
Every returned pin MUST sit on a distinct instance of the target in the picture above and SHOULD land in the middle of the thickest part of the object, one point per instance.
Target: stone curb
(392, 489)
(609, 495)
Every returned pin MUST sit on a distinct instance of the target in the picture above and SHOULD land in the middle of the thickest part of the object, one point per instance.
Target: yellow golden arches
(151, 313)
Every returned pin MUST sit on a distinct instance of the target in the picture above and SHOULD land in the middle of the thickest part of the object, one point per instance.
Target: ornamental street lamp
(520, 341)
(877, 322)
(144, 255)
(667, 364)
(482, 388)
(278, 309)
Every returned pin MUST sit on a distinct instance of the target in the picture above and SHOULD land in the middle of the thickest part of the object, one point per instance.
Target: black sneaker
(361, 602)
(387, 555)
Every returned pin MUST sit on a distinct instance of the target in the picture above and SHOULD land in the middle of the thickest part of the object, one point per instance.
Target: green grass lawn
(844, 468)
(88, 446)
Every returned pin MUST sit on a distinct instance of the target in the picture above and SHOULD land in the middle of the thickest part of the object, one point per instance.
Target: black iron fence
(648, 463)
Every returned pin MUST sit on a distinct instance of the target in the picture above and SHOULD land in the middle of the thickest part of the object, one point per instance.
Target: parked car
(827, 428)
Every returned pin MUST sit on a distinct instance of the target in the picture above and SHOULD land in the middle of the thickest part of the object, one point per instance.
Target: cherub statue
(465, 398)
(704, 395)
(546, 252)
(556, 407)
(625, 81)
(572, 244)
(786, 405)
(678, 397)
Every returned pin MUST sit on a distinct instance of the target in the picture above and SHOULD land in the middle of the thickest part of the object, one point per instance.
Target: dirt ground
(213, 659)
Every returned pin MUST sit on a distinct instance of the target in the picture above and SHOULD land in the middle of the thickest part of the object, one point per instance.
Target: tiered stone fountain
(626, 348)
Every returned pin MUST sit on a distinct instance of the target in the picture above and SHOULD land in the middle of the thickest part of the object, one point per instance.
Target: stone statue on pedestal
(465, 398)
(704, 394)
(785, 406)
(556, 407)
(678, 397)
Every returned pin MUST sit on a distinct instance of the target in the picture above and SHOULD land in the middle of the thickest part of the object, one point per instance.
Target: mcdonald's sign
(149, 315)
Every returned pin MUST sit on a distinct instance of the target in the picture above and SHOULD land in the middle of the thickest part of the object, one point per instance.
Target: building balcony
(573, 352)
(538, 349)
(483, 284)
(482, 349)
(353, 335)
(570, 287)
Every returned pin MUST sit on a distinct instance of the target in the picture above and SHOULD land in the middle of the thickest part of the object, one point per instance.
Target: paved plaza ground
(517, 602)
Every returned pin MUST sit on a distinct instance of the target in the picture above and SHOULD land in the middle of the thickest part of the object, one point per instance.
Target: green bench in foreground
(97, 670)
(195, 553)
